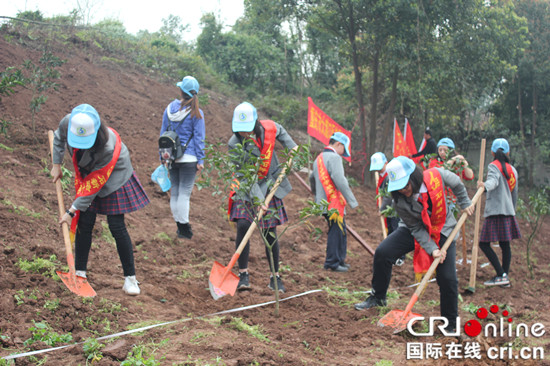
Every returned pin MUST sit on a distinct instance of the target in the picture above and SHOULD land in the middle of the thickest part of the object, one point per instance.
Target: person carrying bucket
(378, 162)
(500, 212)
(185, 118)
(258, 138)
(105, 184)
(419, 199)
(328, 182)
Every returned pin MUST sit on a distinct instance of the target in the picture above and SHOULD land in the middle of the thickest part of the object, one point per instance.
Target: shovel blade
(222, 281)
(397, 319)
(78, 285)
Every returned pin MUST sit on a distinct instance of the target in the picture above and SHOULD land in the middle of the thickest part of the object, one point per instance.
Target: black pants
(401, 242)
(491, 255)
(271, 236)
(83, 241)
(337, 244)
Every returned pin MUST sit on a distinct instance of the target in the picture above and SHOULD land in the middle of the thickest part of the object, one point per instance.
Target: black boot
(184, 231)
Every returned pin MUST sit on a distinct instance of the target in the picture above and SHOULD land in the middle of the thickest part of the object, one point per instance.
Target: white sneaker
(131, 286)
(80, 273)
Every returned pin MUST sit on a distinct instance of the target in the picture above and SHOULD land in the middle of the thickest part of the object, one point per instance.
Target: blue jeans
(182, 178)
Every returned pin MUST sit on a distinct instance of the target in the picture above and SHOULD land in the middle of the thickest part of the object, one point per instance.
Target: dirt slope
(318, 329)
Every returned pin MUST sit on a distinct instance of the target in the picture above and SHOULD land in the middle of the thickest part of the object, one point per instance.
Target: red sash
(512, 180)
(93, 181)
(266, 155)
(434, 223)
(335, 198)
(266, 151)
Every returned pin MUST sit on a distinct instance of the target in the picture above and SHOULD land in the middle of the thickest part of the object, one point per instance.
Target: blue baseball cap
(189, 85)
(344, 140)
(244, 117)
(445, 141)
(500, 144)
(377, 161)
(399, 170)
(84, 124)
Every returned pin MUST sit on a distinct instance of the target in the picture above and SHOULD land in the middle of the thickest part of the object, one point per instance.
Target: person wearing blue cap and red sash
(328, 182)
(185, 118)
(258, 138)
(105, 183)
(419, 200)
(500, 212)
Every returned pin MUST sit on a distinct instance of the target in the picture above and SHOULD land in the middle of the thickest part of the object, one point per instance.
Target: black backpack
(170, 147)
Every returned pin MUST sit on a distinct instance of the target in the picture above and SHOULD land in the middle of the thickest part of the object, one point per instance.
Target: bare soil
(321, 328)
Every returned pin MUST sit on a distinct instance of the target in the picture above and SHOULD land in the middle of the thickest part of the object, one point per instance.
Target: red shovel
(78, 285)
(398, 319)
(222, 281)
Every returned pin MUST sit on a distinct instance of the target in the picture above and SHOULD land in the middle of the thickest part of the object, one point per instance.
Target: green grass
(45, 267)
(253, 330)
(20, 210)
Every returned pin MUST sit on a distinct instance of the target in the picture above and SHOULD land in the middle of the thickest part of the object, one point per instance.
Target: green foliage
(538, 208)
(9, 80)
(20, 210)
(52, 305)
(137, 357)
(45, 267)
(92, 350)
(43, 332)
(253, 330)
(40, 79)
(4, 127)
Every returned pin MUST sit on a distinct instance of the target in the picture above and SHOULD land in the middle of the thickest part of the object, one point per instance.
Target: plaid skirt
(244, 210)
(499, 228)
(128, 198)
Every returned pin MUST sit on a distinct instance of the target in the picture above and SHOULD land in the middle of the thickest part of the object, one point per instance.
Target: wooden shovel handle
(448, 242)
(61, 204)
(248, 234)
(379, 201)
(475, 245)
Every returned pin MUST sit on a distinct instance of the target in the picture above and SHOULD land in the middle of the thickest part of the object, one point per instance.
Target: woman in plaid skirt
(105, 183)
(500, 212)
(258, 139)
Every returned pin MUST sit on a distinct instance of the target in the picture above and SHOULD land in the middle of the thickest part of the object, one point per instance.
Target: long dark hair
(416, 179)
(502, 159)
(101, 138)
(191, 102)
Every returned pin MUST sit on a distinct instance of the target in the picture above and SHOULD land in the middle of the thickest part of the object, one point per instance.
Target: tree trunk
(387, 120)
(533, 134)
(374, 102)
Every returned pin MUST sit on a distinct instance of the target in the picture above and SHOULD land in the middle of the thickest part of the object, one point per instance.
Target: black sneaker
(498, 281)
(244, 281)
(370, 302)
(184, 231)
(279, 284)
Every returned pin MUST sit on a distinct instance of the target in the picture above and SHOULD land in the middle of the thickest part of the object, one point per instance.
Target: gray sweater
(121, 173)
(333, 163)
(500, 201)
(259, 188)
(410, 211)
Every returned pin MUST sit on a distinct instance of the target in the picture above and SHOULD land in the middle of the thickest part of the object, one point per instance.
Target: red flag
(321, 126)
(399, 146)
(409, 139)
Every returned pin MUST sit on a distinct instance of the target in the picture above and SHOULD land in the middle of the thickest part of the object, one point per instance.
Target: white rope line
(10, 357)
